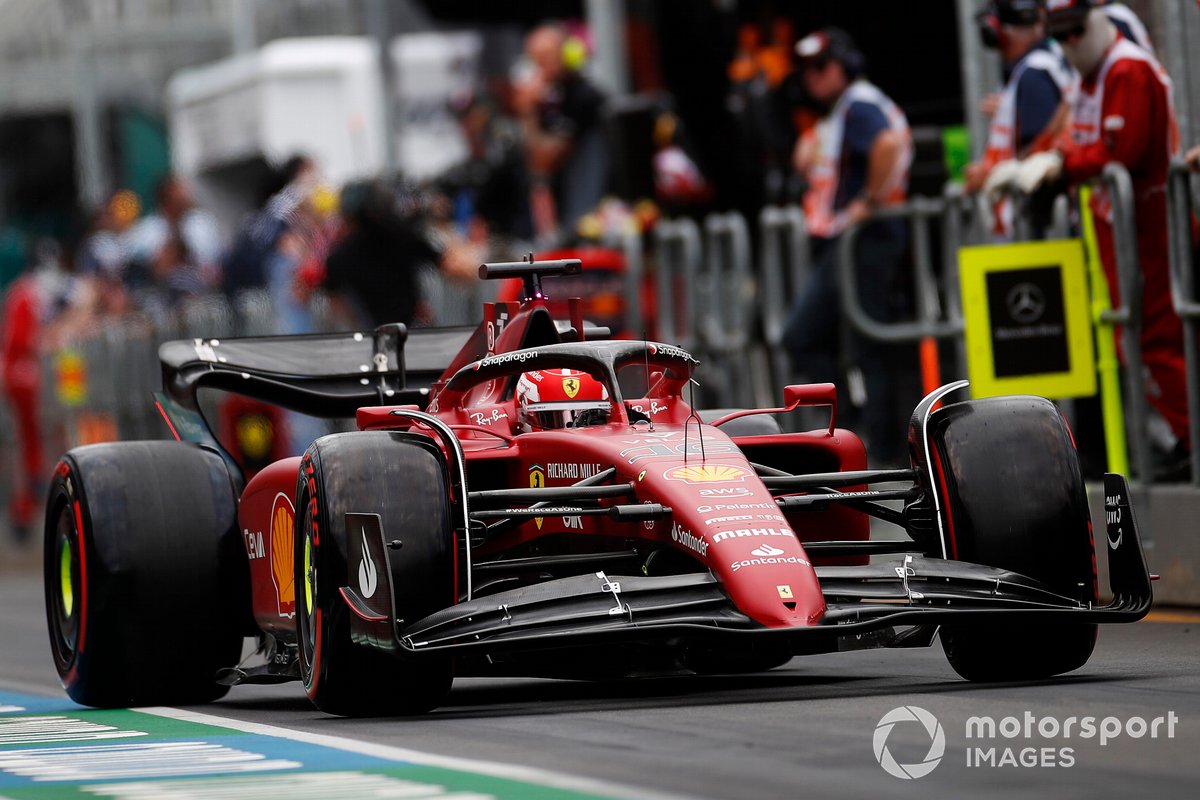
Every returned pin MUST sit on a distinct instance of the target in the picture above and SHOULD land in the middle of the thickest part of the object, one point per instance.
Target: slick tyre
(404, 483)
(1014, 498)
(147, 586)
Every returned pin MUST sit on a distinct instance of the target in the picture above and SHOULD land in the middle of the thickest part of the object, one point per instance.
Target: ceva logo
(937, 742)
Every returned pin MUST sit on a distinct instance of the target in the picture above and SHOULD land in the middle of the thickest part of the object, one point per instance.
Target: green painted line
(54, 749)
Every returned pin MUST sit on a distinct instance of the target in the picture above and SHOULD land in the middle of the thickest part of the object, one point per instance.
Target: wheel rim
(66, 595)
(308, 608)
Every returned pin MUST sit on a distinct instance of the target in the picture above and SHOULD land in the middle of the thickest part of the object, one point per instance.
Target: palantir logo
(937, 742)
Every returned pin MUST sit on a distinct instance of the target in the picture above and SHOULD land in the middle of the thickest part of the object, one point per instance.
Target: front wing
(864, 605)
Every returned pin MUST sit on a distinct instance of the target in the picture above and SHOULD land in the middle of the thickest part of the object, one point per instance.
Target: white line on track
(492, 768)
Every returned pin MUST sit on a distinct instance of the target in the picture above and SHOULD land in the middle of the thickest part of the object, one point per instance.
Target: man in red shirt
(1123, 113)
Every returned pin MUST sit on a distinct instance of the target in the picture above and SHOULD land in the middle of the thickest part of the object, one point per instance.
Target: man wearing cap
(1033, 108)
(1123, 113)
(855, 160)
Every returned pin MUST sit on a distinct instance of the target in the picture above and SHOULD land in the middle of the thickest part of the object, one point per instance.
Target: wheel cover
(65, 619)
(308, 575)
(307, 618)
(67, 590)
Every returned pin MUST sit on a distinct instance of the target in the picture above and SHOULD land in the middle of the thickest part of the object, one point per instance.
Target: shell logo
(282, 556)
(708, 473)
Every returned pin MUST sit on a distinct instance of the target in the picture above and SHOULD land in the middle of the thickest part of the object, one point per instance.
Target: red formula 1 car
(529, 498)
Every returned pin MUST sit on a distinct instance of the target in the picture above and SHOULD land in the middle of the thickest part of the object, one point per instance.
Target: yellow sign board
(1028, 328)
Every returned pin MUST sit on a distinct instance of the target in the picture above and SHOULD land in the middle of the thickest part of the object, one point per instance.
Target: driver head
(551, 399)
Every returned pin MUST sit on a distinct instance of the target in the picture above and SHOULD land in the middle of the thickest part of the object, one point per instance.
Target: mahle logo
(937, 742)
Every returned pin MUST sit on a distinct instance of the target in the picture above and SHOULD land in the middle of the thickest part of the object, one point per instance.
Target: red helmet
(554, 398)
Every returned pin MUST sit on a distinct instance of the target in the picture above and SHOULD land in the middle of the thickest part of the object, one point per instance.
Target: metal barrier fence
(1183, 200)
(1129, 315)
(784, 267)
(931, 322)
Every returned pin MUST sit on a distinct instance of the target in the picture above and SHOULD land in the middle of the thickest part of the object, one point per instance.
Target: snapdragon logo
(937, 742)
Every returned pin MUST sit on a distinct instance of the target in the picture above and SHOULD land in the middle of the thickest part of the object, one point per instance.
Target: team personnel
(1033, 110)
(1123, 113)
(855, 160)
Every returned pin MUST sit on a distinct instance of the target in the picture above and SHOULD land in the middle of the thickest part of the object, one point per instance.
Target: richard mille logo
(1026, 303)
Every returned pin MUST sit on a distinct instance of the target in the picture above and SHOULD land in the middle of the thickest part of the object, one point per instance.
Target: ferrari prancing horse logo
(571, 386)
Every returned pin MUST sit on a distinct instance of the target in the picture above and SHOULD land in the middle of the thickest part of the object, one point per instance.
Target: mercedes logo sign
(1026, 303)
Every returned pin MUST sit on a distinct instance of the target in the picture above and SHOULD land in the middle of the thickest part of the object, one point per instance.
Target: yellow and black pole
(1108, 369)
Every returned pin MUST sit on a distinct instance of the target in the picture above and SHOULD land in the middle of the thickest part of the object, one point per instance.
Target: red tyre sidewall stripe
(315, 669)
(83, 574)
(944, 488)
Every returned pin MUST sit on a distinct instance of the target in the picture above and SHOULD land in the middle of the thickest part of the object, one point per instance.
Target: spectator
(562, 127)
(856, 159)
(103, 251)
(245, 263)
(1123, 114)
(679, 184)
(371, 273)
(30, 304)
(178, 245)
(490, 188)
(1032, 111)
(760, 88)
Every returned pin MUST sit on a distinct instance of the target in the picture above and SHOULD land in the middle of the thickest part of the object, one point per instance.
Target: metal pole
(979, 73)
(243, 21)
(380, 29)
(1174, 54)
(606, 19)
(1120, 186)
(89, 154)
(1183, 293)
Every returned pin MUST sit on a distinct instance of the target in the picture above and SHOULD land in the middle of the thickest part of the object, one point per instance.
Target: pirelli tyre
(1014, 498)
(147, 586)
(391, 478)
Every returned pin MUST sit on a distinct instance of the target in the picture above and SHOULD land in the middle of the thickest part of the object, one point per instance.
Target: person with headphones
(855, 160)
(1033, 111)
(561, 114)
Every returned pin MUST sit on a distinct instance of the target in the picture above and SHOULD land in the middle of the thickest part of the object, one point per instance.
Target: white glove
(1039, 168)
(1000, 177)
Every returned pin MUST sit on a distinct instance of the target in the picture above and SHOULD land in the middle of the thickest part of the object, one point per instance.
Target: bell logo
(933, 728)
(571, 386)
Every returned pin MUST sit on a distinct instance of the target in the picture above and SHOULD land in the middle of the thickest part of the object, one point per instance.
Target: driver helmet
(550, 399)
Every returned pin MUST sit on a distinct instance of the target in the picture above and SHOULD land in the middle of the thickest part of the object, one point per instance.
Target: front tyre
(404, 483)
(1015, 499)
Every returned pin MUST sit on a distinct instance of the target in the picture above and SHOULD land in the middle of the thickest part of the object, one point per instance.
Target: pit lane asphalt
(805, 729)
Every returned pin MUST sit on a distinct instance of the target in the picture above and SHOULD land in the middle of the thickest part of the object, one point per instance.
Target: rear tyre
(147, 586)
(1015, 499)
(404, 483)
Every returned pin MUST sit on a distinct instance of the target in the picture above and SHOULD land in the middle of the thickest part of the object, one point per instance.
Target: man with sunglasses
(1123, 113)
(1033, 111)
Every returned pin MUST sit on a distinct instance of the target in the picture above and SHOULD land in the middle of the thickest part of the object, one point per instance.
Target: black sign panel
(1028, 321)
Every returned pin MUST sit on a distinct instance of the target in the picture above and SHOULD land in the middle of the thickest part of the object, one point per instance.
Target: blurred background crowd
(189, 168)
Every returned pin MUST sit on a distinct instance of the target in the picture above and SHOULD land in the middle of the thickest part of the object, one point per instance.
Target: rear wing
(322, 375)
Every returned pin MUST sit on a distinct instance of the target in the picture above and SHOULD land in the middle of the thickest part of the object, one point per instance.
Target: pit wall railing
(731, 309)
